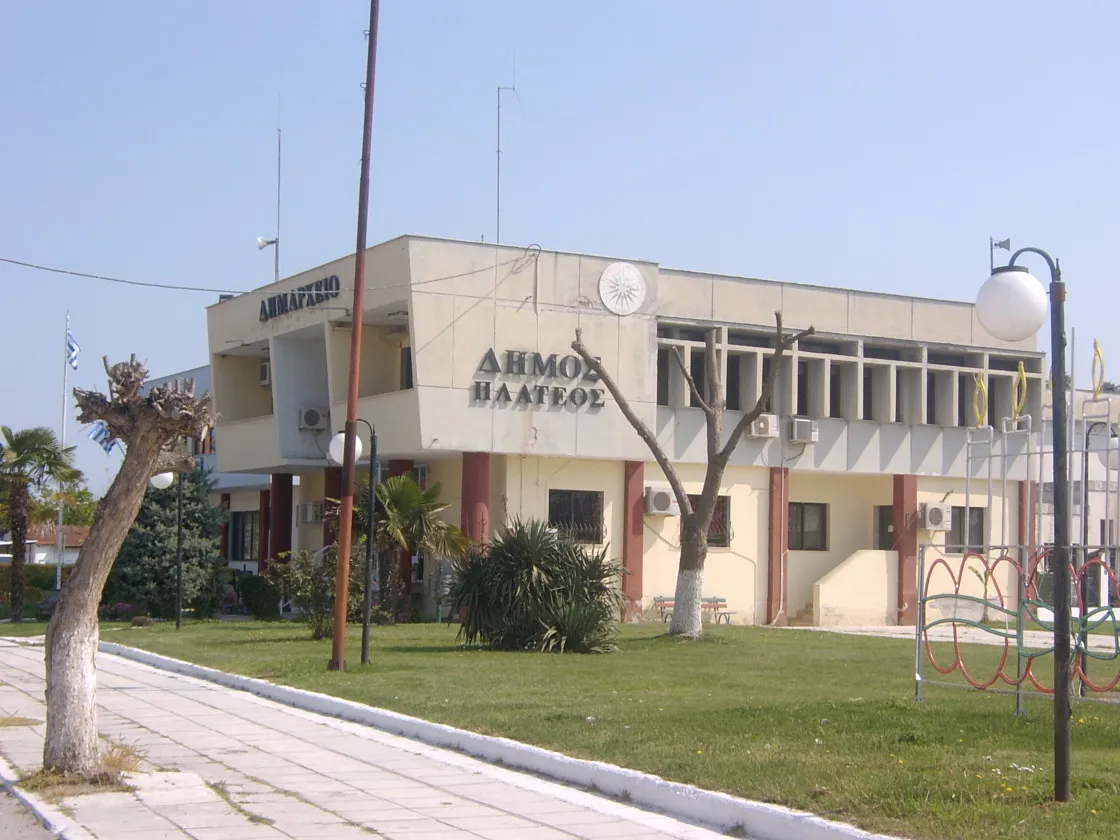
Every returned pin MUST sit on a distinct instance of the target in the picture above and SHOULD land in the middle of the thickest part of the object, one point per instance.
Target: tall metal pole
(346, 507)
(59, 544)
(276, 245)
(179, 552)
(371, 536)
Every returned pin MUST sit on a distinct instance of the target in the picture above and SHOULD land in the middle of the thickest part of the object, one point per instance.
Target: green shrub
(259, 595)
(143, 621)
(307, 579)
(535, 589)
(41, 577)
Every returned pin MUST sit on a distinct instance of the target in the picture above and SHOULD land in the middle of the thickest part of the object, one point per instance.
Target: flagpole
(62, 441)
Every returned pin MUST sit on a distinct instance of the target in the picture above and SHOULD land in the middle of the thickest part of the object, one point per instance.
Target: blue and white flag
(72, 350)
(100, 435)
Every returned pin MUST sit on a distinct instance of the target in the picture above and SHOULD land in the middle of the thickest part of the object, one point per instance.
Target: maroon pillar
(223, 538)
(475, 517)
(280, 516)
(777, 547)
(633, 538)
(1028, 527)
(905, 521)
(262, 531)
(332, 489)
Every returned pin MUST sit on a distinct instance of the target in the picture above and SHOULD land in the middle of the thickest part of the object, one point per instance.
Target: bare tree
(148, 425)
(695, 521)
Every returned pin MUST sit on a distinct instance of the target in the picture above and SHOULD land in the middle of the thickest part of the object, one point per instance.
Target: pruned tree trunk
(17, 511)
(687, 619)
(148, 425)
(695, 521)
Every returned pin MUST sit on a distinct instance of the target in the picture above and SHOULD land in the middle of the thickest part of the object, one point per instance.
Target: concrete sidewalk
(222, 764)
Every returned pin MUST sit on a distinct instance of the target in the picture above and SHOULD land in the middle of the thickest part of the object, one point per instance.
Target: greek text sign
(558, 380)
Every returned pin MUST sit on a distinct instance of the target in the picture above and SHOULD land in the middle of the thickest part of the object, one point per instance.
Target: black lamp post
(1012, 307)
(336, 449)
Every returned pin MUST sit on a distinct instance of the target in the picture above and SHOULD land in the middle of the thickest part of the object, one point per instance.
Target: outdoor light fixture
(161, 481)
(1011, 306)
(1107, 448)
(337, 452)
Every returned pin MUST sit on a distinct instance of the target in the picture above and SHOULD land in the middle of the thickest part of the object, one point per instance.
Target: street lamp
(337, 451)
(263, 243)
(161, 481)
(1011, 305)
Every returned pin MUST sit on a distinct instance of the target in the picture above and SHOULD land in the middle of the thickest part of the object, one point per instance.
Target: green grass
(812, 720)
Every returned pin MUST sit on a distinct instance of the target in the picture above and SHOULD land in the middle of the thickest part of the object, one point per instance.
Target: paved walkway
(222, 764)
(18, 823)
(1032, 639)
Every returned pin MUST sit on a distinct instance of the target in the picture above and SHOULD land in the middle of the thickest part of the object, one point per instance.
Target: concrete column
(223, 538)
(777, 550)
(475, 517)
(633, 542)
(263, 507)
(332, 489)
(280, 516)
(905, 523)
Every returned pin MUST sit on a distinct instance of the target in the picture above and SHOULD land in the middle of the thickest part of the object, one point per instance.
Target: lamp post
(161, 481)
(1011, 306)
(337, 453)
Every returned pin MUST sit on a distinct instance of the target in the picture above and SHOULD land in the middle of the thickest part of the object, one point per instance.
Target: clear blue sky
(868, 144)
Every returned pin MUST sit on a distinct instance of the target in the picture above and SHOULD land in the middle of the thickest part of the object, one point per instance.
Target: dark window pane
(802, 407)
(808, 526)
(731, 387)
(663, 374)
(406, 368)
(579, 512)
(719, 529)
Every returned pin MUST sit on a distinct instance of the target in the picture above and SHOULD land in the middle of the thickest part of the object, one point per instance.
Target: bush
(535, 589)
(143, 621)
(259, 595)
(39, 576)
(307, 579)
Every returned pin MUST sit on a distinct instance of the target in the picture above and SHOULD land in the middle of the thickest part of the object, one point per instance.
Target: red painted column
(475, 516)
(262, 531)
(223, 538)
(777, 548)
(280, 516)
(905, 523)
(633, 537)
(332, 489)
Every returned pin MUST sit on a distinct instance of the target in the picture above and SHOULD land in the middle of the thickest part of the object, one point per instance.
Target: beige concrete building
(468, 376)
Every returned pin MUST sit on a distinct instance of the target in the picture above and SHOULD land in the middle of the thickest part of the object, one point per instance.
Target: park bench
(714, 607)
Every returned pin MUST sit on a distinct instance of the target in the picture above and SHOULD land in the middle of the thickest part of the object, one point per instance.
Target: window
(808, 526)
(835, 392)
(955, 539)
(663, 372)
(732, 396)
(868, 394)
(699, 375)
(719, 530)
(931, 399)
(767, 365)
(579, 512)
(802, 407)
(244, 529)
(406, 368)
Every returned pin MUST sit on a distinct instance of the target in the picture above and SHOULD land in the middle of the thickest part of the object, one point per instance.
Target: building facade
(467, 373)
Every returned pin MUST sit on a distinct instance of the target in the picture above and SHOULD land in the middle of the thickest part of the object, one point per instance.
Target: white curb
(53, 819)
(756, 820)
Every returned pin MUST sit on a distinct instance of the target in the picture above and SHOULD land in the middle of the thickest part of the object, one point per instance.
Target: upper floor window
(406, 368)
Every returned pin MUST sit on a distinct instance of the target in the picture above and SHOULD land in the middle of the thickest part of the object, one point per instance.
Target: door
(884, 528)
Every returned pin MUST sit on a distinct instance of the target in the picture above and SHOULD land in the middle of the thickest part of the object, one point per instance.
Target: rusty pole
(346, 508)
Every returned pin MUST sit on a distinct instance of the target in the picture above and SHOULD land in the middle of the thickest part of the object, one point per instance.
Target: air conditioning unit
(936, 517)
(266, 374)
(660, 501)
(803, 430)
(314, 418)
(310, 512)
(766, 426)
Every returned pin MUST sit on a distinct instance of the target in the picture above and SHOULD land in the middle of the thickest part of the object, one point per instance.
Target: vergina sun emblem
(621, 288)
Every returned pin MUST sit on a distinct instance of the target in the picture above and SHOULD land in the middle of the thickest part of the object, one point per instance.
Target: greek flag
(72, 350)
(101, 436)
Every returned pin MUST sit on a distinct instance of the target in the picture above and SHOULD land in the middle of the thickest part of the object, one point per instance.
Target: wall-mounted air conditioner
(660, 501)
(803, 430)
(766, 426)
(310, 512)
(936, 516)
(313, 418)
(266, 373)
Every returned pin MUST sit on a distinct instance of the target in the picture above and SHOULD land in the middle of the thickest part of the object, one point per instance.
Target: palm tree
(29, 458)
(408, 520)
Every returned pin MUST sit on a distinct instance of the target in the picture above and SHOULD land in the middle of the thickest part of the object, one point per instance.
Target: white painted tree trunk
(72, 742)
(686, 620)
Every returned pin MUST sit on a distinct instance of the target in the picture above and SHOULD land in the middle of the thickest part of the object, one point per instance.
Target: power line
(527, 256)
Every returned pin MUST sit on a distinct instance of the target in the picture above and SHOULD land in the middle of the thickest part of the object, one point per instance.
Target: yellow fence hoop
(980, 400)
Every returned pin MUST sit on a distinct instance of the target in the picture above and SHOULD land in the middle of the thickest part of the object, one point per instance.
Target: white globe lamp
(161, 481)
(1012, 304)
(337, 450)
(1107, 449)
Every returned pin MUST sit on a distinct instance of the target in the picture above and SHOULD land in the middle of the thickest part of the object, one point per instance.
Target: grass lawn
(812, 720)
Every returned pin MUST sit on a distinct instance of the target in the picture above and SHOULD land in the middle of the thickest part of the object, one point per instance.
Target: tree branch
(636, 422)
(782, 343)
(692, 387)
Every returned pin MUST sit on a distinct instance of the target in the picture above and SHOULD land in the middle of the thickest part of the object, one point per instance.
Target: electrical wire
(527, 257)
